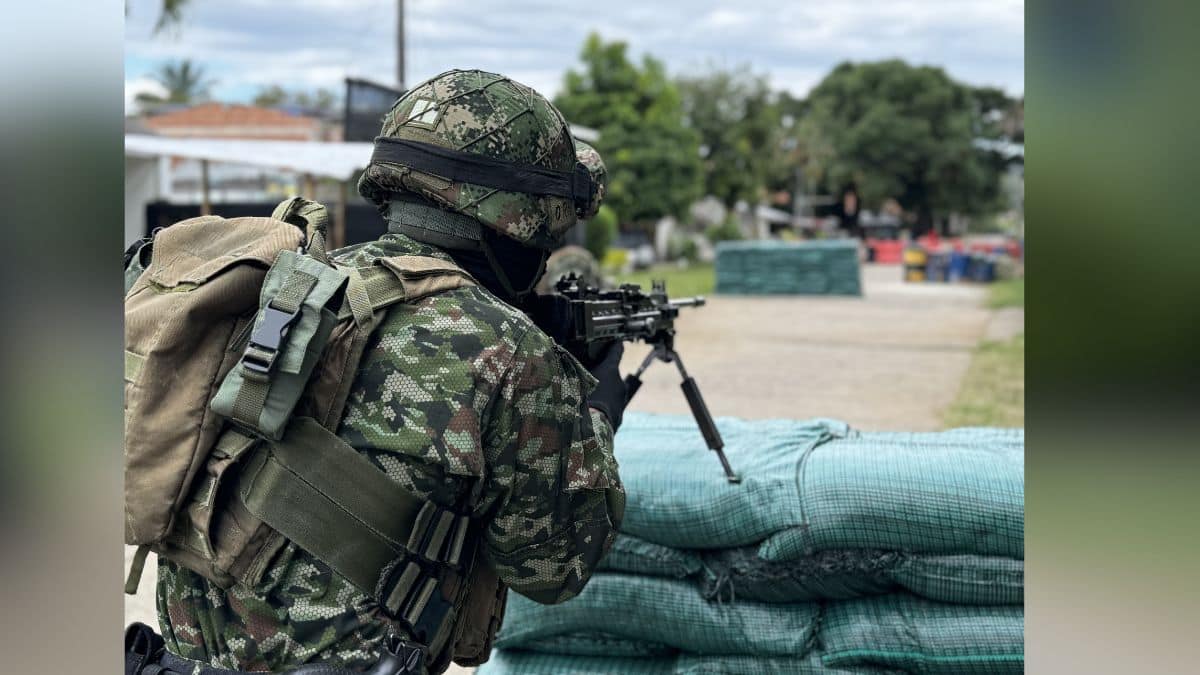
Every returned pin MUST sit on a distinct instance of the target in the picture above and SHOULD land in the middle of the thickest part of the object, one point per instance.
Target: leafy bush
(601, 231)
(726, 231)
(615, 260)
(682, 246)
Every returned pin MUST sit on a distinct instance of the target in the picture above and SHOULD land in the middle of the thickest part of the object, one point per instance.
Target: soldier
(460, 399)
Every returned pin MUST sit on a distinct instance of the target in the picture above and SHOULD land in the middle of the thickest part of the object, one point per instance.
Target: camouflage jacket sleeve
(560, 499)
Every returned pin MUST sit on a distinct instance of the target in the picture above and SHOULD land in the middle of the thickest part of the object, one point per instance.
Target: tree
(652, 156)
(739, 125)
(170, 15)
(903, 132)
(271, 96)
(184, 82)
(321, 100)
(600, 232)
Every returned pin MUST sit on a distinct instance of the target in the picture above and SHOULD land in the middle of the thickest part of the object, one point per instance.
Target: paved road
(891, 360)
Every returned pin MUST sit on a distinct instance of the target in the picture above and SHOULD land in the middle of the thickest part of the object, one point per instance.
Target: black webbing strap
(467, 167)
(322, 494)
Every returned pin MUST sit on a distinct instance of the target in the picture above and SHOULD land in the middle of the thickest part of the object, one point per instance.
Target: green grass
(1009, 293)
(698, 279)
(993, 391)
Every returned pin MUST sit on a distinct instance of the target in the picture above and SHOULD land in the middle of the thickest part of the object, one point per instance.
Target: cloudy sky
(304, 44)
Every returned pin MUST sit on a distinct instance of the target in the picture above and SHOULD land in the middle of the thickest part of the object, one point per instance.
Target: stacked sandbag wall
(840, 551)
(772, 267)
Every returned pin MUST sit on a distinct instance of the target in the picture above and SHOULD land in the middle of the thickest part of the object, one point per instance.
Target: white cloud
(138, 86)
(725, 18)
(310, 43)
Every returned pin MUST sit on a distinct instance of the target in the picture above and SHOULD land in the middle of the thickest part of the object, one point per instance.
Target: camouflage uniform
(457, 389)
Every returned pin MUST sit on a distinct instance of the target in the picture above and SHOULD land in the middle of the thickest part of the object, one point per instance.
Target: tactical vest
(241, 346)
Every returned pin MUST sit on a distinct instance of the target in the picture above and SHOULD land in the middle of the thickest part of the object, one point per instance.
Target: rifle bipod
(665, 352)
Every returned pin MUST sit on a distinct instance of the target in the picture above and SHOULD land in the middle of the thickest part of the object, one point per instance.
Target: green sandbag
(935, 493)
(597, 643)
(819, 486)
(667, 611)
(836, 575)
(508, 662)
(677, 496)
(692, 664)
(731, 574)
(900, 631)
(963, 579)
(513, 662)
(637, 556)
(739, 574)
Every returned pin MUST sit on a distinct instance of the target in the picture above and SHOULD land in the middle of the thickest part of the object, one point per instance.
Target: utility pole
(400, 44)
(798, 202)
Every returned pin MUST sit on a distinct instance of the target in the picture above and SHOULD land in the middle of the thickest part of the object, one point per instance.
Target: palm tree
(184, 82)
(171, 15)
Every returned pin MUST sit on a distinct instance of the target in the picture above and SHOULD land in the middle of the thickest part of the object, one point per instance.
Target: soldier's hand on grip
(609, 396)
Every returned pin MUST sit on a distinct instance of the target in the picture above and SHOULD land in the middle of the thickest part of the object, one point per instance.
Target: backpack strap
(370, 291)
(312, 217)
(407, 278)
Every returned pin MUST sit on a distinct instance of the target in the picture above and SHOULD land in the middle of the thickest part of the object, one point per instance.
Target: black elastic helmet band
(466, 167)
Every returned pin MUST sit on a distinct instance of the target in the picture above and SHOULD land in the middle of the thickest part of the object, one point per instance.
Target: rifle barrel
(697, 301)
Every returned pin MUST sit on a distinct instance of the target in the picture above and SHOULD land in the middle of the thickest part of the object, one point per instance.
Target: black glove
(609, 396)
(552, 313)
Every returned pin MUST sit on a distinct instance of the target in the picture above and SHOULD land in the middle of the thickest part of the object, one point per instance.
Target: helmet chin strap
(486, 246)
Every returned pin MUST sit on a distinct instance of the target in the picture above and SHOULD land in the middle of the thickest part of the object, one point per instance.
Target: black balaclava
(504, 266)
(501, 264)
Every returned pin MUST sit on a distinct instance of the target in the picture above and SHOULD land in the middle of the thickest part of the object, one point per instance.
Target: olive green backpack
(241, 344)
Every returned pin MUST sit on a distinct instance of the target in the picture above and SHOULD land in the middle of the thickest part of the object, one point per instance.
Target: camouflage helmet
(591, 160)
(482, 145)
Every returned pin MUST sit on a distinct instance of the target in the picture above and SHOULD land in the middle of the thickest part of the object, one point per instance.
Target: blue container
(938, 267)
(982, 268)
(959, 262)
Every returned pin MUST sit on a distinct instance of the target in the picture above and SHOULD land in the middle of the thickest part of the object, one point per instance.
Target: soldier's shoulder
(481, 306)
(474, 320)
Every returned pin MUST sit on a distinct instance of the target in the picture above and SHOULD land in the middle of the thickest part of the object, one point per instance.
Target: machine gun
(595, 317)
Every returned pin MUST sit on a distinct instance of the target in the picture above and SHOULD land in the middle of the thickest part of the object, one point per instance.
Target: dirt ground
(890, 360)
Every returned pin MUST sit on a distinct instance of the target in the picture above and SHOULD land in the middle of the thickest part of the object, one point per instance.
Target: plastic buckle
(399, 656)
(267, 338)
